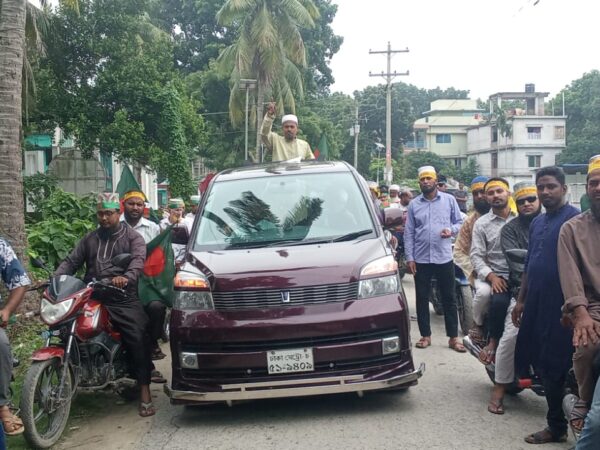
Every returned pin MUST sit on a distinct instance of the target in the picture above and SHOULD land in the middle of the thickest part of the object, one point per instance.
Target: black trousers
(444, 274)
(499, 304)
(156, 312)
(128, 317)
(557, 422)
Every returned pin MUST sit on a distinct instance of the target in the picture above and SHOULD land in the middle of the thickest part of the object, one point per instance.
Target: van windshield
(283, 210)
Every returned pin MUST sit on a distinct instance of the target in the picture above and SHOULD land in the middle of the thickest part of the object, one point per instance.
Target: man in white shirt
(133, 211)
(189, 217)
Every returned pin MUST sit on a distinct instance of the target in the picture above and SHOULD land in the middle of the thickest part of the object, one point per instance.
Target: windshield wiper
(352, 236)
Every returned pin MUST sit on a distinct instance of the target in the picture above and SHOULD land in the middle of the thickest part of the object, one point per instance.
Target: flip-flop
(544, 437)
(496, 407)
(424, 342)
(455, 345)
(157, 377)
(146, 409)
(15, 424)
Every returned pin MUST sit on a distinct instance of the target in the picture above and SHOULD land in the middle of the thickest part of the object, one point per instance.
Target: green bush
(66, 218)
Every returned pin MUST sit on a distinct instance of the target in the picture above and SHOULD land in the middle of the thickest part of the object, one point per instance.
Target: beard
(106, 233)
(482, 207)
(528, 218)
(427, 189)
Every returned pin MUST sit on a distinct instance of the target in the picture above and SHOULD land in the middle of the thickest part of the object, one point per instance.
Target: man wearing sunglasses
(513, 236)
(542, 341)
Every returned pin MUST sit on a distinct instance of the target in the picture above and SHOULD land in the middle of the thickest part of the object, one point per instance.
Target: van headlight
(185, 300)
(52, 313)
(375, 287)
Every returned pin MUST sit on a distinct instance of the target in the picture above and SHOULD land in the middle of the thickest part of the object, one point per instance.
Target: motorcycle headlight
(375, 287)
(193, 300)
(52, 313)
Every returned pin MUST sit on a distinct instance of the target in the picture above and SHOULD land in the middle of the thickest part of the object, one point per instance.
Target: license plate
(290, 361)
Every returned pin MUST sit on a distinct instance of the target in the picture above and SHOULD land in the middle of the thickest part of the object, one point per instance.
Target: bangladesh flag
(127, 182)
(322, 150)
(156, 280)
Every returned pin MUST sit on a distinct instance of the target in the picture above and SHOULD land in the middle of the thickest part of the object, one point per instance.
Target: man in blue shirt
(16, 281)
(433, 218)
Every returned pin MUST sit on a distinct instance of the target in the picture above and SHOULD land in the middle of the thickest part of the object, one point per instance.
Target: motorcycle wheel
(464, 301)
(45, 421)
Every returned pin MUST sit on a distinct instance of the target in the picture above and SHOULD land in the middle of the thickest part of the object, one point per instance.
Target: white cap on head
(289, 118)
(394, 187)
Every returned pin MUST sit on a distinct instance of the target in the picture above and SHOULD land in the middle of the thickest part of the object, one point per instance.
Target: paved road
(447, 410)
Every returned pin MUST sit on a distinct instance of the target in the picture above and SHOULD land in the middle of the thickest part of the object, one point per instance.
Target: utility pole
(356, 132)
(388, 76)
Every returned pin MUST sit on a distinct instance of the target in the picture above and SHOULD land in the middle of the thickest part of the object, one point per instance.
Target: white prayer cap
(427, 172)
(394, 187)
(289, 118)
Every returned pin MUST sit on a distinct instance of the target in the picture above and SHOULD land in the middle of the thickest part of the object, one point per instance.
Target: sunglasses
(522, 201)
(441, 184)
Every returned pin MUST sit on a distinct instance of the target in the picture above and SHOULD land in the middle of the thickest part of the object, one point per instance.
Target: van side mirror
(393, 217)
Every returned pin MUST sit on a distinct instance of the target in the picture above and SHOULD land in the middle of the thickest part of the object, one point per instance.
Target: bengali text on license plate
(290, 361)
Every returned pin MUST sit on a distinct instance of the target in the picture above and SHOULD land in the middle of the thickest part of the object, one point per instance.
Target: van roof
(282, 168)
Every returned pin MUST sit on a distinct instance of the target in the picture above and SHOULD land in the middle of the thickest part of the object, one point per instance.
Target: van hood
(285, 267)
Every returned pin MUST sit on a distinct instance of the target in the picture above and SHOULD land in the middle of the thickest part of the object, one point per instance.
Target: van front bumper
(293, 388)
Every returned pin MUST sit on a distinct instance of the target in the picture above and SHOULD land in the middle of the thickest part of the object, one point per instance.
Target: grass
(25, 338)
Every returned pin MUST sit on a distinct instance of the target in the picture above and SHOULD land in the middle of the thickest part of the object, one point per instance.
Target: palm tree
(12, 48)
(269, 48)
(18, 21)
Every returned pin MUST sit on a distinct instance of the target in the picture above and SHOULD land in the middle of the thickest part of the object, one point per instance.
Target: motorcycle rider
(578, 253)
(96, 251)
(462, 246)
(514, 235)
(489, 263)
(542, 341)
(16, 281)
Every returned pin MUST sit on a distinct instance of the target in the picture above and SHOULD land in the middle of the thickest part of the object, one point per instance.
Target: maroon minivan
(289, 288)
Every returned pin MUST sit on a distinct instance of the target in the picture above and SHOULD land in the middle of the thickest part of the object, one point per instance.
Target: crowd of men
(541, 313)
(537, 312)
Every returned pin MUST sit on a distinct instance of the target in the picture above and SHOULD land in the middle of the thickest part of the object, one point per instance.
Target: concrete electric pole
(356, 132)
(388, 76)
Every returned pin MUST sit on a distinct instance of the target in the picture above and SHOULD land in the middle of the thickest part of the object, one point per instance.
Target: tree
(269, 48)
(12, 45)
(116, 89)
(582, 99)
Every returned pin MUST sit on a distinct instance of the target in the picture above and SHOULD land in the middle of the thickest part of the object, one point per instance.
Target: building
(56, 154)
(532, 139)
(443, 130)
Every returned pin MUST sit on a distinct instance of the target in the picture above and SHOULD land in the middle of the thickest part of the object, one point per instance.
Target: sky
(485, 46)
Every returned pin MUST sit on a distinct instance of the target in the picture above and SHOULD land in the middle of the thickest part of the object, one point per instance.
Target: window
(534, 160)
(457, 162)
(534, 132)
(494, 160)
(494, 134)
(559, 132)
(443, 139)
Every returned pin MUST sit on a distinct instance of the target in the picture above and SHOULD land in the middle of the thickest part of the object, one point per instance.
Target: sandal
(543, 437)
(13, 425)
(476, 336)
(158, 354)
(157, 377)
(496, 407)
(424, 342)
(577, 417)
(456, 345)
(146, 409)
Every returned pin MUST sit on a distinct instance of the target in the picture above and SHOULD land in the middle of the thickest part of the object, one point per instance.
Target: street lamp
(379, 147)
(246, 85)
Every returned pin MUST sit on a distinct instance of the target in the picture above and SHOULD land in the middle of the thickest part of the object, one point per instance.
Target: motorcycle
(83, 352)
(516, 259)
